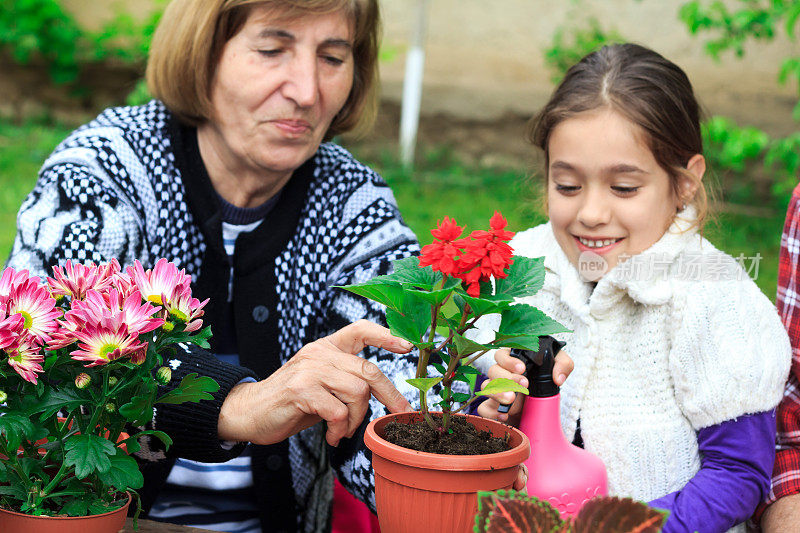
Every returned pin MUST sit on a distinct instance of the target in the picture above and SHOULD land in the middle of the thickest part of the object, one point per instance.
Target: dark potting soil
(461, 438)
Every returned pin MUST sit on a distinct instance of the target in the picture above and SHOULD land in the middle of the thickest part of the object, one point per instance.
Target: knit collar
(646, 277)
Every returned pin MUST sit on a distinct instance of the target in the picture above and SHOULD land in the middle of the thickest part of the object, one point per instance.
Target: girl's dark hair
(645, 88)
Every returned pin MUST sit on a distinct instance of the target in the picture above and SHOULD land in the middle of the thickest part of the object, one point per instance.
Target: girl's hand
(512, 368)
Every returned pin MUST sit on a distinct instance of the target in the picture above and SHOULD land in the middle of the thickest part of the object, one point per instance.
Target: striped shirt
(217, 496)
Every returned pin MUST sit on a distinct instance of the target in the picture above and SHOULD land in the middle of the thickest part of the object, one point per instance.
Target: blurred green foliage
(731, 25)
(41, 30)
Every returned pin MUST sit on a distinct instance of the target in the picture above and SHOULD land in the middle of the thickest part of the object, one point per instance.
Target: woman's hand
(512, 368)
(325, 380)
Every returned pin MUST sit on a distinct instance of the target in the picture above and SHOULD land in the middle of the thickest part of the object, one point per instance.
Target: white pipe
(412, 87)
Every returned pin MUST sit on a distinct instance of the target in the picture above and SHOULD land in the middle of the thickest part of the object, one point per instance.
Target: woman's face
(606, 193)
(277, 87)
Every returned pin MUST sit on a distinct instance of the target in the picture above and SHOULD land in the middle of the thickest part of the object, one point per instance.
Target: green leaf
(49, 360)
(523, 342)
(499, 385)
(202, 337)
(465, 346)
(98, 506)
(467, 370)
(132, 442)
(139, 410)
(411, 322)
(525, 278)
(88, 453)
(76, 507)
(523, 319)
(14, 491)
(389, 294)
(431, 297)
(407, 263)
(423, 384)
(440, 367)
(481, 306)
(408, 273)
(52, 402)
(464, 379)
(15, 428)
(191, 389)
(460, 397)
(124, 473)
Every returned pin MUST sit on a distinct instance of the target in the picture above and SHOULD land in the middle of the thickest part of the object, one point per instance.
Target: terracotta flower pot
(420, 492)
(110, 522)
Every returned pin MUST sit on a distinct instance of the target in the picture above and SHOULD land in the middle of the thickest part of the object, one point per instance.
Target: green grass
(440, 186)
(750, 236)
(23, 149)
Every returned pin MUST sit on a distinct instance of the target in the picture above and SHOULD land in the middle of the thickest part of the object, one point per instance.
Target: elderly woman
(227, 173)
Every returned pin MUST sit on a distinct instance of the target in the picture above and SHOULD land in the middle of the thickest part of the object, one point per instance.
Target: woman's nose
(302, 80)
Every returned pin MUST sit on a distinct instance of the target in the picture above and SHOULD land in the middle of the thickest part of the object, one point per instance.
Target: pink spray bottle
(563, 474)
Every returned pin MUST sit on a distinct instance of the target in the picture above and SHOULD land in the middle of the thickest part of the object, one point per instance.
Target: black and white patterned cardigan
(122, 186)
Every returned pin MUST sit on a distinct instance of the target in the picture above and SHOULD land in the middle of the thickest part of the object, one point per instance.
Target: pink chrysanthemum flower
(11, 278)
(76, 280)
(99, 345)
(26, 358)
(11, 328)
(111, 309)
(124, 284)
(64, 335)
(160, 284)
(186, 310)
(37, 307)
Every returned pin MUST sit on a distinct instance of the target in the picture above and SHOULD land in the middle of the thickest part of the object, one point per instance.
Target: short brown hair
(644, 87)
(189, 40)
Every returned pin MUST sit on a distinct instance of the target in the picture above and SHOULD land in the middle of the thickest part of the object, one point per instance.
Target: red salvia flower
(486, 255)
(442, 254)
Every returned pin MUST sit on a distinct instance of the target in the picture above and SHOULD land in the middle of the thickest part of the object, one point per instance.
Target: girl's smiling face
(606, 193)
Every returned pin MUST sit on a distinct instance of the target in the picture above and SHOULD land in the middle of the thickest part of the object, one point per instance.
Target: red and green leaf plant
(433, 301)
(82, 360)
(508, 510)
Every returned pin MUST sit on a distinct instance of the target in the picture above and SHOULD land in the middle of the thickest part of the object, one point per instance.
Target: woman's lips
(292, 127)
(601, 250)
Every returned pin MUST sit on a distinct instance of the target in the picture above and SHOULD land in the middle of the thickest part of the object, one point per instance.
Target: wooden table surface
(148, 526)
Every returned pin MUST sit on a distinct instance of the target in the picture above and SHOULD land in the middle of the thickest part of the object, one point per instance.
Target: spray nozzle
(539, 366)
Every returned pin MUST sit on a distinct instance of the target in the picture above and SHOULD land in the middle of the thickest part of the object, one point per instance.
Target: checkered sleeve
(73, 214)
(786, 474)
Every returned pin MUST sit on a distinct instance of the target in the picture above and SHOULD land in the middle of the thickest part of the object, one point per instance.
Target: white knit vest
(675, 339)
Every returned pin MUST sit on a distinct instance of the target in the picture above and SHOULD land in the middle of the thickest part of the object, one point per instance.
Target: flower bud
(112, 381)
(82, 380)
(164, 375)
(111, 407)
(168, 326)
(3, 396)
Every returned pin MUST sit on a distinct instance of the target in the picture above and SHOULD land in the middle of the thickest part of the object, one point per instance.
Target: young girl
(679, 359)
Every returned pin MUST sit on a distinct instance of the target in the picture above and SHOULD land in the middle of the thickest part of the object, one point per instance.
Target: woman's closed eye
(271, 52)
(333, 60)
